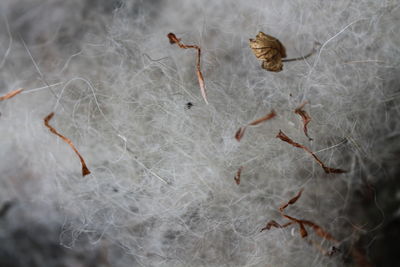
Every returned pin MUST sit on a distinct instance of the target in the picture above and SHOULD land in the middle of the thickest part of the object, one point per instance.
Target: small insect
(189, 105)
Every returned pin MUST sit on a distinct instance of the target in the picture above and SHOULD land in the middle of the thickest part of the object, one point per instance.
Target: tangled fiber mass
(169, 183)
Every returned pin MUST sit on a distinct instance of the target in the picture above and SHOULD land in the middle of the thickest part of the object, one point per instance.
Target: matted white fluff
(161, 190)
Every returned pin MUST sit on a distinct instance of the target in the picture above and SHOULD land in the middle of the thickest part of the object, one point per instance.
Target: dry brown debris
(237, 176)
(11, 94)
(85, 170)
(304, 117)
(239, 133)
(286, 139)
(175, 40)
(318, 230)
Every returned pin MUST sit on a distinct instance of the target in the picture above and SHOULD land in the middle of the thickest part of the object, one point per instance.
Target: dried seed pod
(270, 50)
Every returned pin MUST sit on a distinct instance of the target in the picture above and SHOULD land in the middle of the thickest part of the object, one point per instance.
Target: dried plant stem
(174, 40)
(286, 139)
(291, 201)
(318, 230)
(313, 51)
(11, 94)
(85, 170)
(304, 117)
(240, 132)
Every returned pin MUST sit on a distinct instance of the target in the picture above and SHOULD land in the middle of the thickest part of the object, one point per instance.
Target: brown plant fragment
(302, 225)
(11, 94)
(316, 228)
(240, 132)
(237, 176)
(319, 231)
(273, 223)
(291, 201)
(302, 230)
(85, 170)
(286, 139)
(270, 50)
(305, 118)
(262, 119)
(175, 40)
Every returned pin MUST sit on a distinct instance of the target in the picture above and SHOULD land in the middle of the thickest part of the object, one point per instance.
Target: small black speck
(189, 105)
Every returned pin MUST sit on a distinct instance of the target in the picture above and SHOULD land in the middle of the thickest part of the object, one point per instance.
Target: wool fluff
(161, 190)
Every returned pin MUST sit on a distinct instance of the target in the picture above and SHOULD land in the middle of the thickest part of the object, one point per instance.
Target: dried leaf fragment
(286, 139)
(11, 94)
(270, 50)
(262, 119)
(291, 201)
(240, 132)
(302, 225)
(319, 231)
(273, 223)
(237, 176)
(85, 170)
(305, 118)
(175, 40)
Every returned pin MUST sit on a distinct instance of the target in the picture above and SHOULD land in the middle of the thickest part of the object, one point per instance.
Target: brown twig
(11, 94)
(85, 170)
(286, 139)
(240, 132)
(175, 40)
(304, 117)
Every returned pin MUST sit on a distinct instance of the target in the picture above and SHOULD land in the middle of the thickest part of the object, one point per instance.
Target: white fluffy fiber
(161, 192)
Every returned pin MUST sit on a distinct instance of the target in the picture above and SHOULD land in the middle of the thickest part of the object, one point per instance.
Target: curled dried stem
(286, 139)
(305, 118)
(240, 132)
(85, 170)
(318, 230)
(175, 40)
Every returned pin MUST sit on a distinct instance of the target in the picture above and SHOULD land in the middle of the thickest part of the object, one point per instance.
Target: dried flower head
(270, 50)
